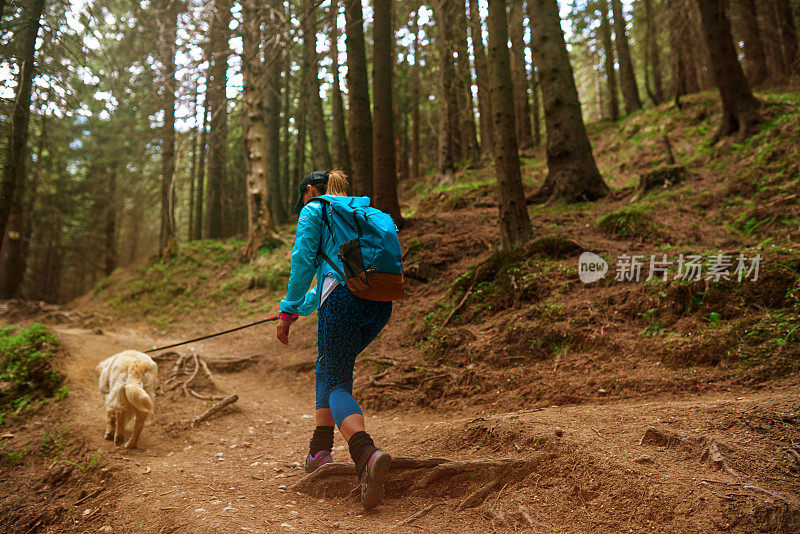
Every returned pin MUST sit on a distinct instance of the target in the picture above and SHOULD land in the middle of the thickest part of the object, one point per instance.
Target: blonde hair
(337, 183)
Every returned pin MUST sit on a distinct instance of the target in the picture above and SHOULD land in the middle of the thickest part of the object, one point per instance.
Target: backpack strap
(320, 251)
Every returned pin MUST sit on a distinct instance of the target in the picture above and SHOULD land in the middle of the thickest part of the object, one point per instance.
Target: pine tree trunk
(320, 154)
(755, 59)
(482, 75)
(630, 92)
(11, 274)
(385, 184)
(201, 176)
(519, 77)
(534, 77)
(110, 226)
(360, 117)
(193, 172)
(301, 121)
(740, 109)
(772, 43)
(273, 51)
(341, 149)
(654, 54)
(445, 156)
(286, 188)
(218, 108)
(256, 96)
(788, 36)
(611, 75)
(572, 172)
(466, 105)
(167, 37)
(415, 126)
(14, 167)
(678, 61)
(515, 226)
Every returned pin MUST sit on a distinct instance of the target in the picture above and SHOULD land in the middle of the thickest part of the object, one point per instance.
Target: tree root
(416, 515)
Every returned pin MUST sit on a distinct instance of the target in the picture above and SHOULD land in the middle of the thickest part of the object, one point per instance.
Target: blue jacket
(305, 262)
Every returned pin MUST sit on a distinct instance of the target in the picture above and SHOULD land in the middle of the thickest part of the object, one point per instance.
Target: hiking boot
(372, 479)
(318, 460)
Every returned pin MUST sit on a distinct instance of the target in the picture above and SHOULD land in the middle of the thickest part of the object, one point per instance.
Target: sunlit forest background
(149, 120)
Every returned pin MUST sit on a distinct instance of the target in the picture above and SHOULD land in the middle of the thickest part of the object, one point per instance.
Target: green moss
(630, 222)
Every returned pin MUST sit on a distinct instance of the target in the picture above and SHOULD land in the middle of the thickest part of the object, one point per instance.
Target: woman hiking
(347, 324)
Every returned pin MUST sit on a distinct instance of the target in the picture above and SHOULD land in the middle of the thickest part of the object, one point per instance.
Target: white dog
(127, 382)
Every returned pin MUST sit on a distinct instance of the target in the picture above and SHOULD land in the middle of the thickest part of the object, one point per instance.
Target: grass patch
(629, 222)
(27, 376)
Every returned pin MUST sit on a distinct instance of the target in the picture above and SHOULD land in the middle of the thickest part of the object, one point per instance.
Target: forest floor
(542, 386)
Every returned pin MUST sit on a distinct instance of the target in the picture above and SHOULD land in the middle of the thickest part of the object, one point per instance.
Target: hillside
(504, 357)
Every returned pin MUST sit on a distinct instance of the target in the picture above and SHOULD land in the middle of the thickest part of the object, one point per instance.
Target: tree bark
(466, 105)
(515, 226)
(110, 226)
(320, 154)
(788, 35)
(415, 125)
(740, 109)
(287, 191)
(445, 160)
(256, 96)
(341, 148)
(14, 168)
(360, 117)
(519, 77)
(383, 148)
(772, 43)
(611, 75)
(572, 172)
(482, 75)
(755, 59)
(273, 50)
(193, 171)
(201, 175)
(535, 101)
(167, 46)
(654, 54)
(630, 92)
(218, 107)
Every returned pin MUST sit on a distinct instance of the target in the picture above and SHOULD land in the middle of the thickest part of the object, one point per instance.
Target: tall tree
(465, 103)
(167, 47)
(772, 41)
(360, 117)
(415, 90)
(653, 52)
(482, 75)
(611, 73)
(515, 226)
(383, 149)
(445, 161)
(788, 35)
(740, 109)
(262, 152)
(218, 52)
(14, 169)
(755, 59)
(535, 88)
(341, 149)
(519, 77)
(320, 154)
(630, 92)
(572, 172)
(201, 173)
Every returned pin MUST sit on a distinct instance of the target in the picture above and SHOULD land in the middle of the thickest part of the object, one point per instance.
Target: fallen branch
(410, 519)
(88, 496)
(227, 401)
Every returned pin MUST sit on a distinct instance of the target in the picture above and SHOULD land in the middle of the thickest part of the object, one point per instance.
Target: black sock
(361, 448)
(322, 440)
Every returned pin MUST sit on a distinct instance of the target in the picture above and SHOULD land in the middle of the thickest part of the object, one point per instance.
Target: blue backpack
(368, 248)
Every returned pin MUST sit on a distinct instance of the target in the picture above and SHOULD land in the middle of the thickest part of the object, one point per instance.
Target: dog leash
(217, 334)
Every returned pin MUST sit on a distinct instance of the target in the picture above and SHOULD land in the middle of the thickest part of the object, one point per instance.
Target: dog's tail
(134, 391)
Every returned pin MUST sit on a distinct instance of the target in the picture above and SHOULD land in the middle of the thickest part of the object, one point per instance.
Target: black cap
(314, 178)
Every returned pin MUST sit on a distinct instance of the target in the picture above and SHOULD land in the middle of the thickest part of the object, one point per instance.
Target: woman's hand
(283, 331)
(284, 323)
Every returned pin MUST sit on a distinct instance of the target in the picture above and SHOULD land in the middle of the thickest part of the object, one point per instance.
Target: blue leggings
(347, 324)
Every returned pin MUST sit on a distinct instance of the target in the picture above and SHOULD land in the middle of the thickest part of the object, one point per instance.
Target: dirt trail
(231, 474)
